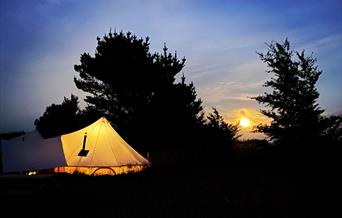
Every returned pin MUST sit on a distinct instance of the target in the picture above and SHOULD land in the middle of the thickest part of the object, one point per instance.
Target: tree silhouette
(10, 135)
(174, 116)
(59, 119)
(332, 130)
(220, 135)
(136, 90)
(224, 131)
(292, 99)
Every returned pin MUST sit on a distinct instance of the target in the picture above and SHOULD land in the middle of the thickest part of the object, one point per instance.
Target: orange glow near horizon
(247, 119)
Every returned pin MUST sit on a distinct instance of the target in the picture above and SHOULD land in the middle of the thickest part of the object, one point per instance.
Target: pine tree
(137, 90)
(218, 138)
(292, 96)
(227, 133)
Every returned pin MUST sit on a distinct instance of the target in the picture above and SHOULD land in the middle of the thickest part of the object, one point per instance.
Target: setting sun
(244, 122)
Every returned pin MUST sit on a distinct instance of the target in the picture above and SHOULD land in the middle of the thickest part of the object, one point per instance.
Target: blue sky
(41, 40)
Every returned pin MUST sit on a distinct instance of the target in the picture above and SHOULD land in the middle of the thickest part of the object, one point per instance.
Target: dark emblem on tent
(83, 152)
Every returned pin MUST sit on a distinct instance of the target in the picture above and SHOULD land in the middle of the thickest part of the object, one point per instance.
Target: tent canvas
(31, 152)
(106, 149)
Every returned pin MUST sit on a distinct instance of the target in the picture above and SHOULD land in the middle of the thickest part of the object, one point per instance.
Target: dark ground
(236, 191)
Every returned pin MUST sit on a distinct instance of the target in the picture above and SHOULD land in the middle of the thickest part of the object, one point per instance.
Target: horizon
(43, 40)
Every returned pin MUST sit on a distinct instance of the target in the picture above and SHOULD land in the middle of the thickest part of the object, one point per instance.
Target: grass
(233, 191)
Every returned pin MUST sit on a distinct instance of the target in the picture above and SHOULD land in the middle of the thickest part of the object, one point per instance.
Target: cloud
(251, 113)
(255, 118)
(239, 83)
(234, 115)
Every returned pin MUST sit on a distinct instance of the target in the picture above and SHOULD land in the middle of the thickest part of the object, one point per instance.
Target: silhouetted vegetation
(138, 92)
(64, 118)
(332, 128)
(206, 192)
(297, 121)
(10, 135)
(220, 135)
(59, 118)
(224, 131)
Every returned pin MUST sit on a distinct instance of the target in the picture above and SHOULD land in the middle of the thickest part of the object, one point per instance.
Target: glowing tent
(95, 149)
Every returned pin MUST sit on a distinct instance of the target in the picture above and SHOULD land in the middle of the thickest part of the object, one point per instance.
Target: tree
(219, 138)
(292, 98)
(221, 133)
(332, 126)
(59, 119)
(224, 132)
(136, 90)
(174, 116)
(10, 135)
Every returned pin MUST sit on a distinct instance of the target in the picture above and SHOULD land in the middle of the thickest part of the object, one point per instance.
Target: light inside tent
(99, 171)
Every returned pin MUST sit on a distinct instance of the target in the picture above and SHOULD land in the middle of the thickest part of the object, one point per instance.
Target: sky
(41, 41)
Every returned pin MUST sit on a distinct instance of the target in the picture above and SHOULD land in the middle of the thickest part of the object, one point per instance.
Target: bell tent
(95, 149)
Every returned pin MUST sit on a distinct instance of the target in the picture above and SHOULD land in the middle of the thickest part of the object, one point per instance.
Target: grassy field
(247, 191)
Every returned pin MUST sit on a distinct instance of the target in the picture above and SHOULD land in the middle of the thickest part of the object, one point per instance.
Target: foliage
(10, 135)
(219, 138)
(332, 126)
(298, 124)
(175, 116)
(136, 90)
(292, 99)
(63, 118)
(58, 118)
(228, 133)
